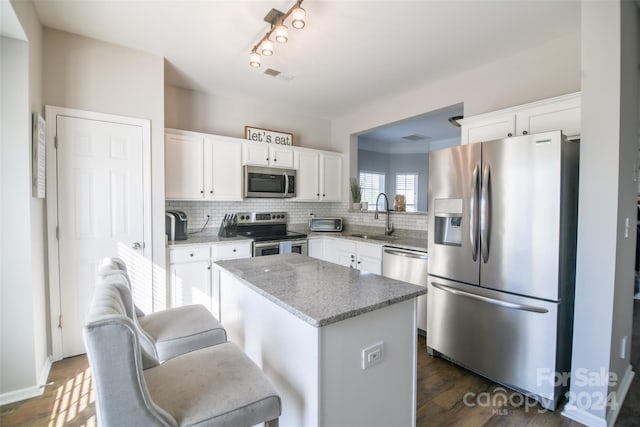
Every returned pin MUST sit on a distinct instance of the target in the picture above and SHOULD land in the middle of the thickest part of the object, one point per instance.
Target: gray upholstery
(168, 333)
(182, 329)
(214, 386)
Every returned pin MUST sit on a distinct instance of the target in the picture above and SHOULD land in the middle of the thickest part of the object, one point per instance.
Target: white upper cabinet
(560, 113)
(307, 164)
(318, 175)
(262, 154)
(184, 166)
(330, 177)
(223, 180)
(488, 128)
(202, 167)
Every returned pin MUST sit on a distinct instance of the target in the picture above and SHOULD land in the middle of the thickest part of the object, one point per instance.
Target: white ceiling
(434, 126)
(350, 54)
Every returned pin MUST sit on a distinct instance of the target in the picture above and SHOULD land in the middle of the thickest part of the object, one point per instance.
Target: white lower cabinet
(350, 253)
(194, 279)
(190, 276)
(315, 248)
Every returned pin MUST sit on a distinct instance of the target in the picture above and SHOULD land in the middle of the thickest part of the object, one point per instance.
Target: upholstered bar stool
(168, 333)
(213, 386)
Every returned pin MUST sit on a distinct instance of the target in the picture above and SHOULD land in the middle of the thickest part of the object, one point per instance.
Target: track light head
(254, 59)
(279, 31)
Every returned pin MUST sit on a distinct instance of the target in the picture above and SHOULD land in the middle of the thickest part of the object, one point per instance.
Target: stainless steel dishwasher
(409, 266)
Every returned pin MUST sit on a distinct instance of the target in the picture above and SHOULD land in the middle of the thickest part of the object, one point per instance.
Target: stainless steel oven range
(269, 233)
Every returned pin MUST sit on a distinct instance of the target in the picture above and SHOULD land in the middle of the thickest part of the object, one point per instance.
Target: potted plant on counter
(356, 193)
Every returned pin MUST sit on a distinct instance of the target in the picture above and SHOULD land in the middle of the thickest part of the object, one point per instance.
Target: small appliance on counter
(176, 225)
(325, 224)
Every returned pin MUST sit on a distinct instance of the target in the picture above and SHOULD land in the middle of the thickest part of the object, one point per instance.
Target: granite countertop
(399, 242)
(318, 292)
(396, 241)
(203, 239)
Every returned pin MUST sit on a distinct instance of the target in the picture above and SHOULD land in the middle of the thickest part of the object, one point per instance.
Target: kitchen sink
(381, 237)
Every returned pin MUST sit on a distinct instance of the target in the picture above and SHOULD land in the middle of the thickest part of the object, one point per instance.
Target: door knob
(136, 245)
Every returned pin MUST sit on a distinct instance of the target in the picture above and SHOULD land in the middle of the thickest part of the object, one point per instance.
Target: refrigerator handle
(485, 212)
(505, 304)
(473, 214)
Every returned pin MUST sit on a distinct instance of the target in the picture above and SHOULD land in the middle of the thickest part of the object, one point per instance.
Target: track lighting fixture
(279, 30)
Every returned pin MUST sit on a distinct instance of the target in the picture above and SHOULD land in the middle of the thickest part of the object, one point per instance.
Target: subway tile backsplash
(197, 211)
(298, 213)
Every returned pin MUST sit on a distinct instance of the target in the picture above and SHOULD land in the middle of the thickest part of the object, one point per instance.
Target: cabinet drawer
(194, 253)
(370, 250)
(231, 251)
(341, 245)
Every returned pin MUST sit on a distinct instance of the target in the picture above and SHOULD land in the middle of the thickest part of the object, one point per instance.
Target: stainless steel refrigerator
(502, 244)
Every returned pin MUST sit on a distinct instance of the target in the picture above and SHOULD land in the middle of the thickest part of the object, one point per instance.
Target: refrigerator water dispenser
(448, 222)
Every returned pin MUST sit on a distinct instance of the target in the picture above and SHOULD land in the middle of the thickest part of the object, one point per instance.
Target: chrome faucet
(388, 229)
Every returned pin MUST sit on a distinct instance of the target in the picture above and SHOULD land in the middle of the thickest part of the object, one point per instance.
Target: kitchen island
(338, 344)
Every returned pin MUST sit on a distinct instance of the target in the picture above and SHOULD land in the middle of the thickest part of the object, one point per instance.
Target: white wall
(542, 72)
(18, 347)
(195, 111)
(91, 75)
(24, 354)
(545, 71)
(605, 258)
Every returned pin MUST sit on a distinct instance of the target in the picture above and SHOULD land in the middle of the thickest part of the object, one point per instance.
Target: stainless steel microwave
(269, 182)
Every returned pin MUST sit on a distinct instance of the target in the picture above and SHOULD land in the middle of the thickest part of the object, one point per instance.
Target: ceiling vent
(287, 77)
(271, 72)
(415, 137)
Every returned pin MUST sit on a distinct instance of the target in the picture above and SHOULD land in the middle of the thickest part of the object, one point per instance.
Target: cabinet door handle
(275, 160)
(210, 191)
(524, 132)
(191, 254)
(234, 250)
(267, 159)
(201, 191)
(324, 195)
(318, 194)
(509, 134)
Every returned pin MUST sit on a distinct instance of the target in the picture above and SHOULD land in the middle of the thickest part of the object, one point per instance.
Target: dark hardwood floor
(442, 386)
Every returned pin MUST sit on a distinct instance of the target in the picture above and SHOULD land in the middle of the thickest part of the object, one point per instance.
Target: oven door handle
(266, 244)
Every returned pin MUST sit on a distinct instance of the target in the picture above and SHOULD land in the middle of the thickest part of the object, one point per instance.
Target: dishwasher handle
(406, 253)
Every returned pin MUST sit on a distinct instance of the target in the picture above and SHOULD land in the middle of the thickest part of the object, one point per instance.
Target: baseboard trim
(587, 418)
(582, 416)
(621, 394)
(28, 392)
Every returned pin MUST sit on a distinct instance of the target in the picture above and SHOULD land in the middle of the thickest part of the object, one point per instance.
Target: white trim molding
(29, 392)
(587, 418)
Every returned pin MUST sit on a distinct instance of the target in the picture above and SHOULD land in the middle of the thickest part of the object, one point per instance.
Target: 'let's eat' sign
(268, 136)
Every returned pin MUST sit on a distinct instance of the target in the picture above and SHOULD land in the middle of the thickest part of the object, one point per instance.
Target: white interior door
(101, 212)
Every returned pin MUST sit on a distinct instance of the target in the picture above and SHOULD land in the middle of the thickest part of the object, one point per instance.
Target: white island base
(318, 371)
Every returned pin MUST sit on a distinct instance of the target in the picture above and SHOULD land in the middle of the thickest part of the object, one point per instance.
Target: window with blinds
(372, 184)
(407, 185)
